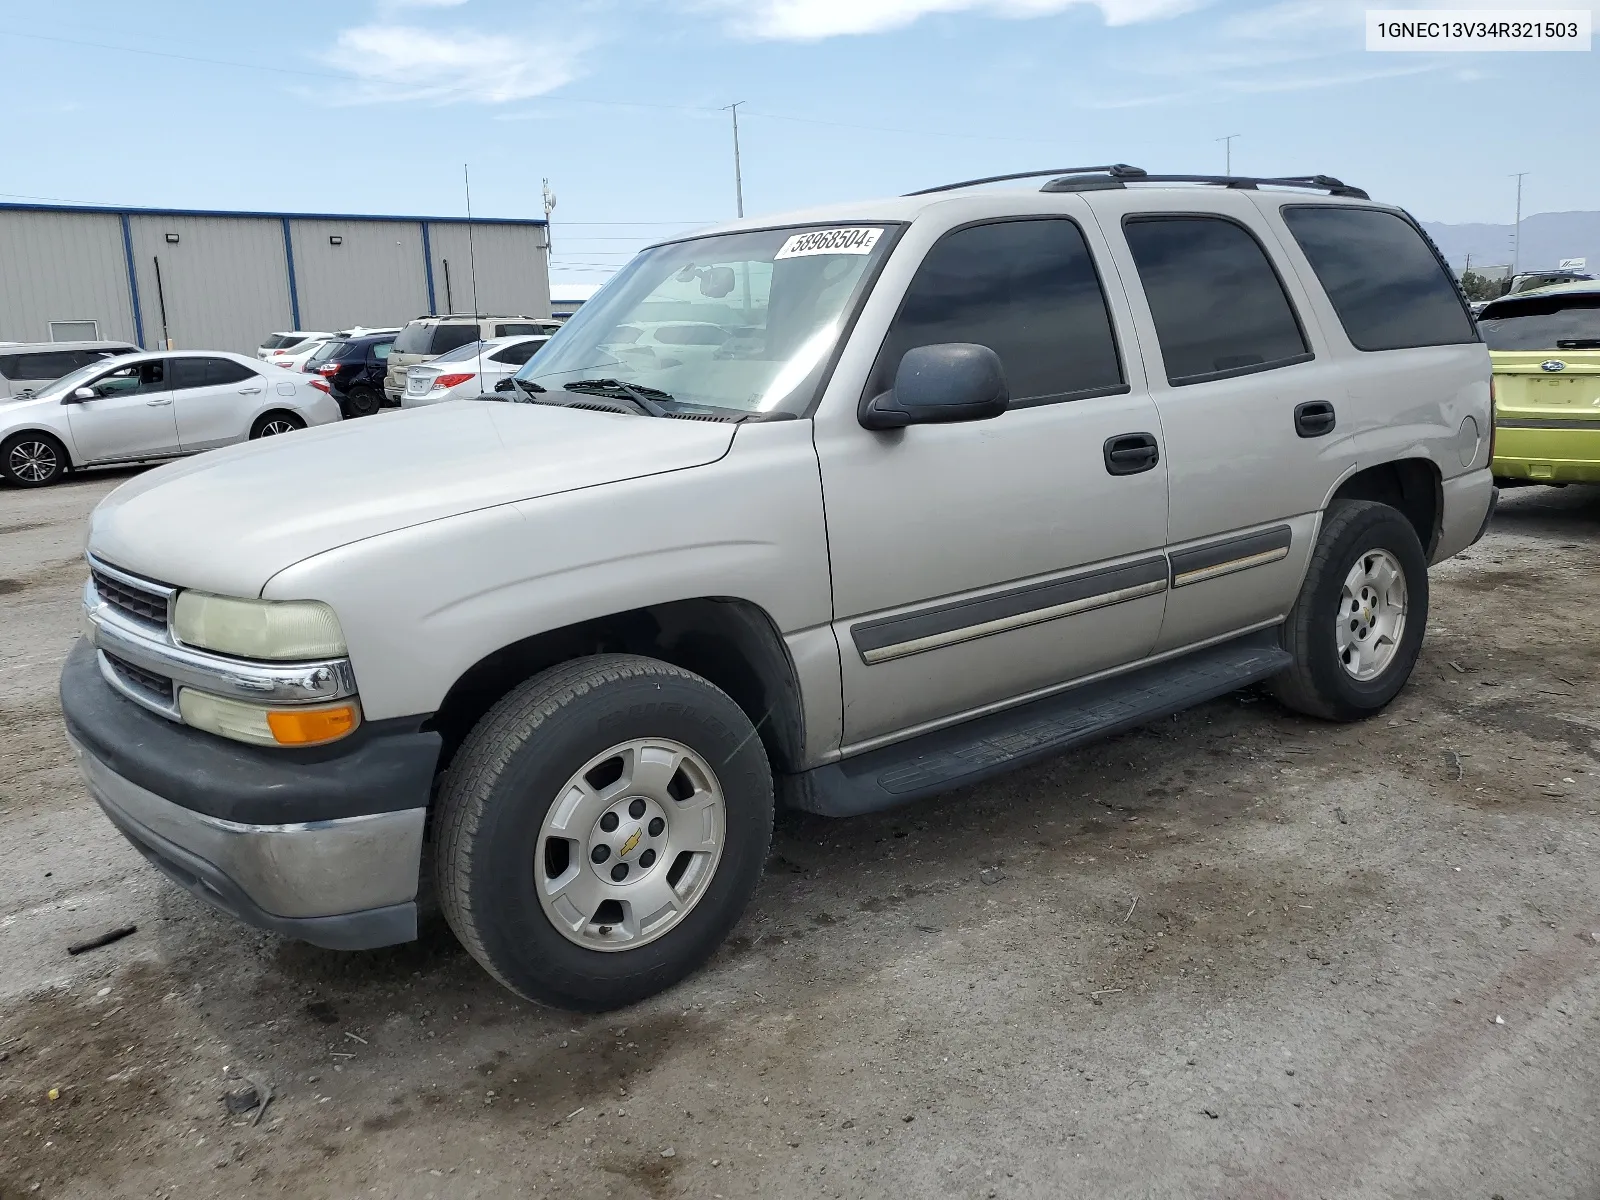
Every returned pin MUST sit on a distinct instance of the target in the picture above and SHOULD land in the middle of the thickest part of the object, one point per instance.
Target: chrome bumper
(347, 884)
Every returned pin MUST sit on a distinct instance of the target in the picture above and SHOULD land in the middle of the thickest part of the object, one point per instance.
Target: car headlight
(276, 630)
(260, 726)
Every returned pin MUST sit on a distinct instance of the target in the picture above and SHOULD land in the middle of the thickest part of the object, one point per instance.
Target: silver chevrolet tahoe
(840, 510)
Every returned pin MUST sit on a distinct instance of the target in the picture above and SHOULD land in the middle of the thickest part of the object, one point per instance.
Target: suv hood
(228, 520)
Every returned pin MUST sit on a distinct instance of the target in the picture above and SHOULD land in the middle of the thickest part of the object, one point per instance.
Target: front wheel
(1356, 629)
(601, 830)
(33, 460)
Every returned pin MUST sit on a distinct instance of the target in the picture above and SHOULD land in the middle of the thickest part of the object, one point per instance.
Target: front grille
(148, 607)
(156, 685)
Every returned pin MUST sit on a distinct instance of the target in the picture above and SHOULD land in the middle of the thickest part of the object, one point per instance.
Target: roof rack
(1111, 170)
(1079, 181)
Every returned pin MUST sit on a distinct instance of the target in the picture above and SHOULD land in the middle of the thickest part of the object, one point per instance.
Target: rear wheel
(1356, 629)
(362, 402)
(33, 460)
(274, 423)
(601, 830)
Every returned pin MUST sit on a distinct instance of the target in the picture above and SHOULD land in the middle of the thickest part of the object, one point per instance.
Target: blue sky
(374, 105)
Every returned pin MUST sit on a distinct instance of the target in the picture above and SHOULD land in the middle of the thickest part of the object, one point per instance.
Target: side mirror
(936, 385)
(506, 385)
(85, 394)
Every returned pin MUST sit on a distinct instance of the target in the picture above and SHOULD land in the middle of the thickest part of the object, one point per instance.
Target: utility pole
(738, 170)
(1516, 230)
(1227, 152)
(549, 208)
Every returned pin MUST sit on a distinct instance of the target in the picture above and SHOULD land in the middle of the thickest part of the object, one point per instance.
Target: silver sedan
(148, 406)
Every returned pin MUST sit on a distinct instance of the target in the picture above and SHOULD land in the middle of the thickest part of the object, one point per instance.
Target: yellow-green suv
(1545, 346)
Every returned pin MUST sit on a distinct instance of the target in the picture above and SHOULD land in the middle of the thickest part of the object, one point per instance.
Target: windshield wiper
(614, 389)
(1578, 344)
(528, 385)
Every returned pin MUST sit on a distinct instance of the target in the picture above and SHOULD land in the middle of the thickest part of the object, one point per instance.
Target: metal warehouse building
(224, 280)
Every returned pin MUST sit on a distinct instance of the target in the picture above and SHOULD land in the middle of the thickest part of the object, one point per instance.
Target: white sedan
(147, 406)
(469, 371)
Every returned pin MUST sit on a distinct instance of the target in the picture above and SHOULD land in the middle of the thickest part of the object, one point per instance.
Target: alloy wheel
(631, 844)
(33, 461)
(1372, 615)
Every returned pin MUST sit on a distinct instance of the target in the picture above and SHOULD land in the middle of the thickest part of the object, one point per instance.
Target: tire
(1361, 543)
(33, 460)
(361, 402)
(506, 875)
(274, 423)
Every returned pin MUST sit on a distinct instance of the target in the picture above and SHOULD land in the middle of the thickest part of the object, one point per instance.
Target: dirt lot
(1235, 954)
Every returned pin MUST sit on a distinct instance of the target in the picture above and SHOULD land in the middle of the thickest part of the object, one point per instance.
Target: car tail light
(450, 381)
(321, 385)
(328, 369)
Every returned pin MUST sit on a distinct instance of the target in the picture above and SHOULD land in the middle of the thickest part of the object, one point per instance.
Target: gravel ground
(1235, 954)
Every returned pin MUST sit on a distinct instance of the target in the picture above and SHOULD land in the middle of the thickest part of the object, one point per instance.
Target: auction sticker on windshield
(853, 240)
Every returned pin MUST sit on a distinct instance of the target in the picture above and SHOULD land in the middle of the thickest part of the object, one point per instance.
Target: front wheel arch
(43, 435)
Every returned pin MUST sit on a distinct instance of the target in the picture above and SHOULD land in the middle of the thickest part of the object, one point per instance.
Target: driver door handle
(159, 403)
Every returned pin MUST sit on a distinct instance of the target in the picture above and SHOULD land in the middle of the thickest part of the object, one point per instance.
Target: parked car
(427, 338)
(985, 474)
(146, 406)
(1533, 280)
(1545, 346)
(25, 367)
(351, 370)
(469, 371)
(283, 346)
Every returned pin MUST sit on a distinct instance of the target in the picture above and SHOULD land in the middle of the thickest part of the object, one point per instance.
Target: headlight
(276, 630)
(268, 726)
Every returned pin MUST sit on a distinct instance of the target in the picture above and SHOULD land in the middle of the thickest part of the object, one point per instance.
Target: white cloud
(813, 20)
(405, 62)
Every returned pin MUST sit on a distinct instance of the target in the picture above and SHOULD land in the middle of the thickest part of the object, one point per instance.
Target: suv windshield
(1543, 322)
(743, 321)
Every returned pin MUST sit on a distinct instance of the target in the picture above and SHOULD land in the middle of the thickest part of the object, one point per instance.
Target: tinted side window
(46, 366)
(517, 355)
(1026, 289)
(516, 328)
(187, 373)
(382, 350)
(132, 379)
(450, 337)
(221, 371)
(1387, 285)
(1218, 305)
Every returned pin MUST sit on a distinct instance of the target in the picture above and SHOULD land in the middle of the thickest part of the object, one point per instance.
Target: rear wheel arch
(732, 643)
(1413, 487)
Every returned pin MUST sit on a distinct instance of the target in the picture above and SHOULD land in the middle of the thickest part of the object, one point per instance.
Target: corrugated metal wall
(375, 277)
(62, 267)
(225, 281)
(513, 276)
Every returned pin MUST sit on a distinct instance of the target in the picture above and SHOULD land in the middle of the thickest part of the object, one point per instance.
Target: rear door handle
(251, 391)
(1314, 418)
(1130, 453)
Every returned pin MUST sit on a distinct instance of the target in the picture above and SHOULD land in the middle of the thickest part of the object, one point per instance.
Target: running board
(987, 746)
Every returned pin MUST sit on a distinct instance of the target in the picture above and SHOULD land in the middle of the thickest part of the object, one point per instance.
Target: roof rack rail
(1092, 182)
(1111, 170)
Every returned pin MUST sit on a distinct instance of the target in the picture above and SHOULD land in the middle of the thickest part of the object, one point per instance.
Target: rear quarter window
(1384, 280)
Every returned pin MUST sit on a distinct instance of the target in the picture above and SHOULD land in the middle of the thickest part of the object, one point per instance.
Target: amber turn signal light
(312, 726)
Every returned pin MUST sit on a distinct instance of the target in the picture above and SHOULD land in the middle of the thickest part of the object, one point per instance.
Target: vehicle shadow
(1549, 512)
